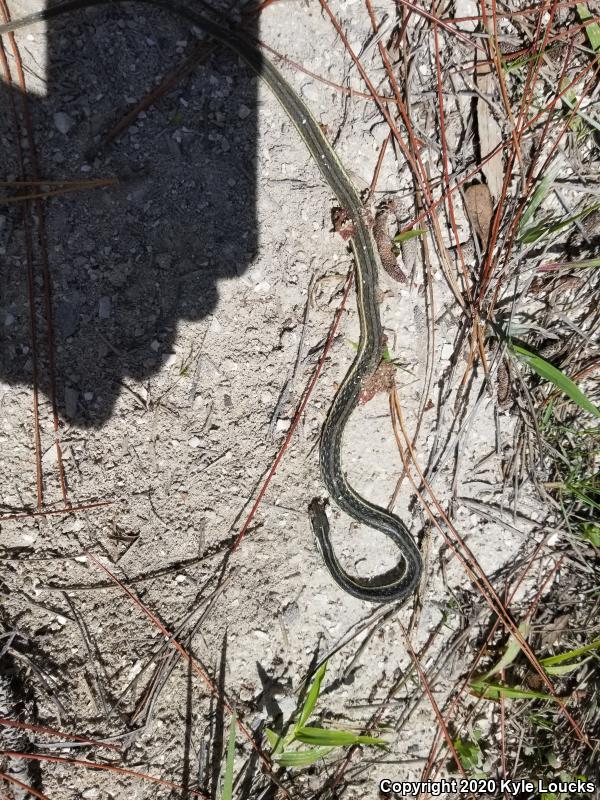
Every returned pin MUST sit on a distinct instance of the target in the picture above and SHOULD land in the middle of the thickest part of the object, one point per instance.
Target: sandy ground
(181, 303)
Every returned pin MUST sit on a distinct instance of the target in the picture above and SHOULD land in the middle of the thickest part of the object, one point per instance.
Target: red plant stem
(28, 726)
(103, 767)
(21, 785)
(195, 666)
(57, 511)
(297, 415)
(39, 209)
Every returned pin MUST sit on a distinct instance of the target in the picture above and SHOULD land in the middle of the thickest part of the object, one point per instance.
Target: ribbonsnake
(401, 582)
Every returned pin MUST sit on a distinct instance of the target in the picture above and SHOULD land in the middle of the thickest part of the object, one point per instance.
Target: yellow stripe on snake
(401, 582)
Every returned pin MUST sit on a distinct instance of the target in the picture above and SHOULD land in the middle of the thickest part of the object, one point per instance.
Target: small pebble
(63, 122)
(287, 706)
(49, 458)
(71, 399)
(104, 307)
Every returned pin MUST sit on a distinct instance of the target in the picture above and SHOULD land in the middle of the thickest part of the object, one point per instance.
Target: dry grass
(530, 76)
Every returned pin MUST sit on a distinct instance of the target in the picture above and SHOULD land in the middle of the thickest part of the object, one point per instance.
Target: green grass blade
(513, 66)
(272, 738)
(552, 225)
(539, 195)
(276, 742)
(405, 236)
(569, 655)
(332, 738)
(563, 669)
(311, 697)
(550, 373)
(572, 102)
(592, 30)
(591, 533)
(494, 691)
(589, 263)
(469, 753)
(582, 496)
(513, 649)
(302, 758)
(227, 793)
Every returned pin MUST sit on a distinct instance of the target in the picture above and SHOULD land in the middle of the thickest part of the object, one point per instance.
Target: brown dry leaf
(342, 223)
(480, 209)
(490, 134)
(382, 380)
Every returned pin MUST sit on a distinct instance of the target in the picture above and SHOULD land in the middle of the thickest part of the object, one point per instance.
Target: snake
(399, 583)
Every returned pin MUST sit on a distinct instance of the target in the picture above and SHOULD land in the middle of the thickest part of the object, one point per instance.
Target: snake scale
(401, 582)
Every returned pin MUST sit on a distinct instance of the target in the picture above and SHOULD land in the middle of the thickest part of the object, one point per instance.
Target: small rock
(66, 318)
(71, 399)
(63, 122)
(288, 706)
(194, 442)
(104, 307)
(49, 458)
(243, 111)
(135, 670)
(215, 325)
(229, 365)
(164, 260)
(291, 613)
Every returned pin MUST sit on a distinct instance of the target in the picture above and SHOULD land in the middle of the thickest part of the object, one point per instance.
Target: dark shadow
(129, 262)
(271, 686)
(17, 703)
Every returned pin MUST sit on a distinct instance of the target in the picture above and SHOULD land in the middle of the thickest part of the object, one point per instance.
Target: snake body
(402, 581)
